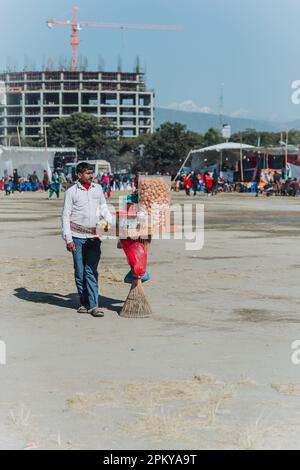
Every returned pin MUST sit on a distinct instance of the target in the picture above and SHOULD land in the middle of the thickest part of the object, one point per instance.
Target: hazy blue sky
(253, 46)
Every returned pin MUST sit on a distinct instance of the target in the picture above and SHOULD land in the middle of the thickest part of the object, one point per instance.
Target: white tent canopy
(212, 158)
(224, 146)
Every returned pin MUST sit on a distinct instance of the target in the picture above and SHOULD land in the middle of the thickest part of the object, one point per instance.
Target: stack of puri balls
(154, 200)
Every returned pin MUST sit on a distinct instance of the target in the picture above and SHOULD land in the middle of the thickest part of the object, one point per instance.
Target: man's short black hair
(82, 167)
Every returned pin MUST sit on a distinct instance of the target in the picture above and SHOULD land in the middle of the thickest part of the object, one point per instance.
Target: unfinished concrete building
(29, 101)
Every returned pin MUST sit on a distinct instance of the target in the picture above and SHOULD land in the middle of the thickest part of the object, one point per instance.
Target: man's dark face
(86, 177)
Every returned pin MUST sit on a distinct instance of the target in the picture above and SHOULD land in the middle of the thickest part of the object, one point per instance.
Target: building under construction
(30, 101)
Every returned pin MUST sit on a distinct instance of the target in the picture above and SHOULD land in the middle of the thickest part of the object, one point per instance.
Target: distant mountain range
(201, 122)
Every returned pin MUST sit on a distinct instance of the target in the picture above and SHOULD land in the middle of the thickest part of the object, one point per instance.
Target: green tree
(166, 149)
(293, 137)
(253, 137)
(92, 137)
(249, 137)
(213, 137)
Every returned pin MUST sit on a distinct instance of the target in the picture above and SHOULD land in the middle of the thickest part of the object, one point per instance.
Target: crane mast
(76, 27)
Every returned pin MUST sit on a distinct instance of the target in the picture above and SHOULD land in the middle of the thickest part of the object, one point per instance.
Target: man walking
(195, 183)
(84, 204)
(16, 180)
(215, 182)
(54, 186)
(46, 181)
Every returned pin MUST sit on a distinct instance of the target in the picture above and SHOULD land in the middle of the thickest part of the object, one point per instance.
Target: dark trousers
(86, 260)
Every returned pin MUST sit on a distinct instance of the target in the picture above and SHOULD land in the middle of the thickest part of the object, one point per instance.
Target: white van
(99, 167)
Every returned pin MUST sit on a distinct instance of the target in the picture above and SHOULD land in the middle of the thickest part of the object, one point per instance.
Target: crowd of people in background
(32, 183)
(115, 182)
(209, 182)
(270, 183)
(58, 182)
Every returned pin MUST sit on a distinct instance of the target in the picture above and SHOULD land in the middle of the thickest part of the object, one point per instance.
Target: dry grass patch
(175, 409)
(287, 389)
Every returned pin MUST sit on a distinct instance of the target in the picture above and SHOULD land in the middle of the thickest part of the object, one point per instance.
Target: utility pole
(142, 149)
(46, 138)
(221, 106)
(286, 153)
(241, 159)
(19, 137)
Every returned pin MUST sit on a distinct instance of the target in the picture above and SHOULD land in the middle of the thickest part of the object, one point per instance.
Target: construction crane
(76, 26)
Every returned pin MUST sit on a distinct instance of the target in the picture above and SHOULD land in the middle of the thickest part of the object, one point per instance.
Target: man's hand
(71, 247)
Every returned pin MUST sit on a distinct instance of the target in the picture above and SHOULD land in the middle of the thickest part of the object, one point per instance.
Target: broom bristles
(136, 304)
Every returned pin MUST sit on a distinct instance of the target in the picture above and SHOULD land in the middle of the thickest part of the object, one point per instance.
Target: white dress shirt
(83, 207)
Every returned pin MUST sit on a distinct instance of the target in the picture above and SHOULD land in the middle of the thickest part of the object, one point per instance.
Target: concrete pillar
(80, 101)
(23, 115)
(99, 104)
(42, 112)
(118, 108)
(60, 104)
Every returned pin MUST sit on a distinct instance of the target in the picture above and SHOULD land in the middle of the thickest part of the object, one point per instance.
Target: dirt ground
(211, 370)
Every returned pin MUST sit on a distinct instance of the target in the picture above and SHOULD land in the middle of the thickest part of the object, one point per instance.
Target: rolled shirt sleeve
(104, 211)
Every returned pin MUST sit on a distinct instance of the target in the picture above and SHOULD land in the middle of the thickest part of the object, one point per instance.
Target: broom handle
(135, 282)
(146, 242)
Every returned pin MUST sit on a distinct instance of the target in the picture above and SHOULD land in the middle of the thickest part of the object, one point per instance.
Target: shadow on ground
(64, 301)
